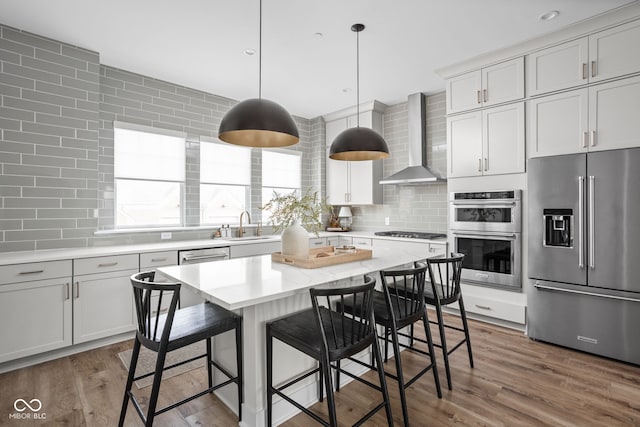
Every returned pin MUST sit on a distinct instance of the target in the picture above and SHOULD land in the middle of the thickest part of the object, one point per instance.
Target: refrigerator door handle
(592, 230)
(580, 221)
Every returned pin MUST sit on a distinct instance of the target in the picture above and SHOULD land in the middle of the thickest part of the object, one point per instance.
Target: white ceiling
(201, 43)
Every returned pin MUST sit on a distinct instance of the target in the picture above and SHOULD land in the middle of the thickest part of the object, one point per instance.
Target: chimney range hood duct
(417, 172)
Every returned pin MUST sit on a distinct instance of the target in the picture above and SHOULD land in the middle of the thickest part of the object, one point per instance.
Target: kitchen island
(261, 290)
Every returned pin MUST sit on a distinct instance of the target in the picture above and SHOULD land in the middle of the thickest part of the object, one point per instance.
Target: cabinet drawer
(105, 264)
(34, 271)
(494, 308)
(360, 242)
(317, 242)
(158, 259)
(437, 249)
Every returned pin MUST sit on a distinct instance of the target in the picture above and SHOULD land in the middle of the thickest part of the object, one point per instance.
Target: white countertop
(7, 258)
(243, 282)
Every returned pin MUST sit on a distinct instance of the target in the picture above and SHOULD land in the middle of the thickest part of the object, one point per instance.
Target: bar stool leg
(463, 314)
(331, 403)
(432, 353)
(209, 367)
(239, 356)
(400, 375)
(132, 371)
(269, 376)
(383, 383)
(443, 343)
(320, 383)
(155, 388)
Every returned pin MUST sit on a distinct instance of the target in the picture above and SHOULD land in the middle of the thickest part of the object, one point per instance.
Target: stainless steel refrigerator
(584, 252)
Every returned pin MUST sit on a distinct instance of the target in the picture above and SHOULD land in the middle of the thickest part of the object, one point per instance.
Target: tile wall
(412, 207)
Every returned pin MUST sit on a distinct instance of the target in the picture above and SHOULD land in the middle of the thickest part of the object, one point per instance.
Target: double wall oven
(486, 227)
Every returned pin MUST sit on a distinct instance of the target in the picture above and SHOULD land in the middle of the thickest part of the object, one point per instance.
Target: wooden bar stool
(328, 335)
(400, 304)
(165, 332)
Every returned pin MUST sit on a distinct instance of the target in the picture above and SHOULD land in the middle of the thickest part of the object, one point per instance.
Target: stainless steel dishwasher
(196, 256)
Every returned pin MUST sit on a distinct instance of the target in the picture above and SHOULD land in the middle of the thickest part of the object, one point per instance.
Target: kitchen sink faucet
(240, 228)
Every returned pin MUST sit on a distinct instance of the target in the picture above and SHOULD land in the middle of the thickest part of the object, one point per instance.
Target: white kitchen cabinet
(486, 142)
(601, 56)
(558, 124)
(601, 117)
(429, 248)
(495, 84)
(353, 183)
(103, 296)
(35, 308)
(362, 242)
(317, 242)
(338, 241)
(254, 249)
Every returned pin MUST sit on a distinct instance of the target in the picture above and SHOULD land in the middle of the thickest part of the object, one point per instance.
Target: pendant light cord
(260, 56)
(357, 78)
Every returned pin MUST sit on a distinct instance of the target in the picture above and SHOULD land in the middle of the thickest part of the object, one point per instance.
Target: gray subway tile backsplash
(61, 154)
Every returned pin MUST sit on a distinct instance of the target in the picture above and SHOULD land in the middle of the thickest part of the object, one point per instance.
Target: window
(281, 173)
(149, 174)
(225, 180)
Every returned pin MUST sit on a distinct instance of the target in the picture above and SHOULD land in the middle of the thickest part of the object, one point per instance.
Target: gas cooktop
(411, 234)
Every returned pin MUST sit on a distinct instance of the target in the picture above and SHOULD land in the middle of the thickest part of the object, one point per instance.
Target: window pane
(221, 204)
(146, 155)
(225, 164)
(281, 169)
(147, 203)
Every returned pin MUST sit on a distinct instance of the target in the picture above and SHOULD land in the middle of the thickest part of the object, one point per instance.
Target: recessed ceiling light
(549, 15)
(249, 52)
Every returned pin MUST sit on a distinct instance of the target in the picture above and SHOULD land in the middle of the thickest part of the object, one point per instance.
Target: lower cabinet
(102, 297)
(35, 316)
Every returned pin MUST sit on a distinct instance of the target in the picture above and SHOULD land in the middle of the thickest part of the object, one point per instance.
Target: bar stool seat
(327, 335)
(163, 330)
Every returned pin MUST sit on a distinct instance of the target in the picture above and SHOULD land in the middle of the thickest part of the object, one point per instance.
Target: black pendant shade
(258, 122)
(358, 144)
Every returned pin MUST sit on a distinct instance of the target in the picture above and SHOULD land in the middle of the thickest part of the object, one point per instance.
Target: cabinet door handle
(67, 291)
(77, 289)
(108, 264)
(478, 97)
(585, 139)
(479, 165)
(593, 138)
(158, 259)
(593, 68)
(484, 93)
(585, 71)
(32, 272)
(483, 307)
(486, 164)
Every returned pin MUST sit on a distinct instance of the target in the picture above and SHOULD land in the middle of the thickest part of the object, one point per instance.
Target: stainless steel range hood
(417, 172)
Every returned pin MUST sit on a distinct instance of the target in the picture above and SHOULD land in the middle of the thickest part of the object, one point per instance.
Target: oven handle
(483, 203)
(505, 236)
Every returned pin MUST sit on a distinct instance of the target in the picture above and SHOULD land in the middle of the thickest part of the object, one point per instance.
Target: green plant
(285, 209)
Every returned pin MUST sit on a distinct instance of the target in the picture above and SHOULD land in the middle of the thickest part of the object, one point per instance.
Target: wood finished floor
(516, 381)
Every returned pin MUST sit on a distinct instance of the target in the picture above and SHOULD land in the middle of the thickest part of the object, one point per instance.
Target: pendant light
(258, 122)
(358, 143)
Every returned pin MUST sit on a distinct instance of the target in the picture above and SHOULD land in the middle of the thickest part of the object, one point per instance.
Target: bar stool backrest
(345, 333)
(154, 323)
(444, 274)
(404, 292)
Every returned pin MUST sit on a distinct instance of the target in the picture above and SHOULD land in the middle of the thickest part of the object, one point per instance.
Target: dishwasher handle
(191, 258)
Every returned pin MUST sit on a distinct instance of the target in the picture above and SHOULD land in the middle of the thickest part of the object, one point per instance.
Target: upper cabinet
(354, 183)
(600, 117)
(486, 142)
(496, 84)
(600, 56)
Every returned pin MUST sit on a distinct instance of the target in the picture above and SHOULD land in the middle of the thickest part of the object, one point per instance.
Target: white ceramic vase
(295, 241)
